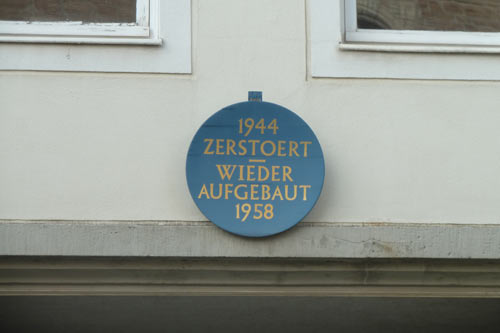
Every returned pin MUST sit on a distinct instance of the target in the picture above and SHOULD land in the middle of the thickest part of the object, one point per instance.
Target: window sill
(418, 48)
(81, 40)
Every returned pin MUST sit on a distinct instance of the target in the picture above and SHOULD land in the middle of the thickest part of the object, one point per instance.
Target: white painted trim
(170, 31)
(154, 19)
(142, 12)
(408, 61)
(424, 37)
(350, 15)
(56, 29)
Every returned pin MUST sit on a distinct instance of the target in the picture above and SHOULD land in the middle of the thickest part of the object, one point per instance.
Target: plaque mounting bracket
(255, 96)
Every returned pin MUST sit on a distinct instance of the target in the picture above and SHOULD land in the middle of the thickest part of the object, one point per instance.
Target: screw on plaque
(255, 96)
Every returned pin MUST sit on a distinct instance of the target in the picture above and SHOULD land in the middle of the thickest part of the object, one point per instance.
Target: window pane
(440, 15)
(98, 11)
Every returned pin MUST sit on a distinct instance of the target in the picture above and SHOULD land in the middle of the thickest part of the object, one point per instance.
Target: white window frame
(452, 38)
(143, 31)
(169, 31)
(331, 55)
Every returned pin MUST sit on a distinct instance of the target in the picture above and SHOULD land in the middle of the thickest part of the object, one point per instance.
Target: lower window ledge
(81, 40)
(419, 48)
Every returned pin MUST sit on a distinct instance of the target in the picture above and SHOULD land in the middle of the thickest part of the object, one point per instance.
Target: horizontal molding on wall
(251, 277)
(203, 239)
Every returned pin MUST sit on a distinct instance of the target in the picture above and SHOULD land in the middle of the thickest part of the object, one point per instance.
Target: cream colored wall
(113, 146)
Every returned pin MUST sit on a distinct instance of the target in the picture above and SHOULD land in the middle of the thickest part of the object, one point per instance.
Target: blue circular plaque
(255, 169)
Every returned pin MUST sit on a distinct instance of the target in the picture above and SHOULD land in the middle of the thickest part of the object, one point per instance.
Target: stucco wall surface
(102, 146)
